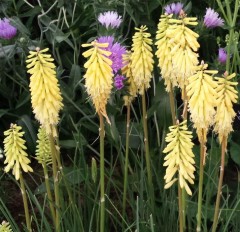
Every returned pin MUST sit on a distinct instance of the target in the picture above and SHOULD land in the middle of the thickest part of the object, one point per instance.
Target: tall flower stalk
(98, 82)
(226, 96)
(17, 160)
(142, 67)
(43, 156)
(47, 102)
(201, 91)
(132, 93)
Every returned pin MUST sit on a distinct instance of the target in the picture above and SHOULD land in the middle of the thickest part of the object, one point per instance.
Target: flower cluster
(14, 149)
(110, 19)
(201, 91)
(7, 31)
(99, 75)
(118, 81)
(43, 150)
(180, 157)
(226, 96)
(176, 49)
(222, 55)
(5, 227)
(212, 19)
(127, 71)
(173, 8)
(142, 59)
(116, 49)
(45, 92)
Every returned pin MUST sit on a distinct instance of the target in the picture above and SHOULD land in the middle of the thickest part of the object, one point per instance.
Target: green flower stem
(25, 202)
(180, 208)
(49, 194)
(126, 162)
(172, 105)
(200, 185)
(219, 192)
(147, 153)
(102, 188)
(56, 182)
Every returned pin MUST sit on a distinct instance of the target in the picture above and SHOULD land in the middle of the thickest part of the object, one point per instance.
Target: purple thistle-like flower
(212, 19)
(116, 49)
(118, 81)
(222, 55)
(173, 8)
(110, 19)
(7, 31)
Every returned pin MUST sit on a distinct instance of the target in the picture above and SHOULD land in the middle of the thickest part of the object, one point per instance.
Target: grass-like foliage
(119, 115)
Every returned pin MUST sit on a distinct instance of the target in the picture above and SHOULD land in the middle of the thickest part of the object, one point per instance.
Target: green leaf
(234, 151)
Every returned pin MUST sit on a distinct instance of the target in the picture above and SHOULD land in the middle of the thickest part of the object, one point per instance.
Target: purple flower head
(173, 8)
(212, 19)
(118, 81)
(7, 31)
(116, 49)
(110, 19)
(222, 55)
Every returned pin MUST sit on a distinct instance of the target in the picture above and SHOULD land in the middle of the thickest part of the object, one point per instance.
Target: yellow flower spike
(99, 76)
(164, 46)
(226, 96)
(180, 157)
(43, 149)
(14, 149)
(142, 59)
(126, 70)
(45, 92)
(201, 91)
(5, 227)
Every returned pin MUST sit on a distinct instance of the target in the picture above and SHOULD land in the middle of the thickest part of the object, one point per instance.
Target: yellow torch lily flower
(163, 53)
(180, 157)
(99, 75)
(45, 93)
(201, 91)
(226, 96)
(14, 149)
(142, 59)
(184, 56)
(43, 149)
(127, 71)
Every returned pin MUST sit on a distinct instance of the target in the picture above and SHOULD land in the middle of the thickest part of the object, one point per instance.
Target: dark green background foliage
(63, 26)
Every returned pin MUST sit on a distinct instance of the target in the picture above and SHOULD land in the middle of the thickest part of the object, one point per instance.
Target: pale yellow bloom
(45, 93)
(14, 149)
(163, 53)
(127, 71)
(201, 91)
(142, 59)
(180, 157)
(226, 96)
(176, 49)
(184, 56)
(43, 149)
(99, 75)
(5, 227)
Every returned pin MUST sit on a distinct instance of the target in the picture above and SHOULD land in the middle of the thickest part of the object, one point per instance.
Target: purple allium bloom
(116, 49)
(110, 19)
(118, 81)
(212, 19)
(7, 31)
(222, 55)
(173, 8)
